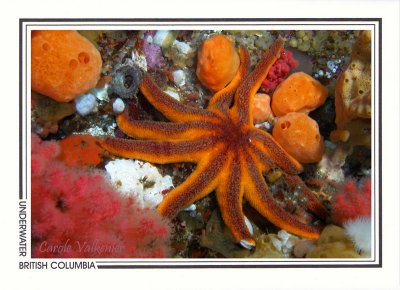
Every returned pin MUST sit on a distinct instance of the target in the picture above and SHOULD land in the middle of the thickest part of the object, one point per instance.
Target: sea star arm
(313, 203)
(268, 149)
(258, 195)
(264, 163)
(223, 98)
(229, 195)
(160, 151)
(168, 106)
(199, 183)
(163, 130)
(244, 96)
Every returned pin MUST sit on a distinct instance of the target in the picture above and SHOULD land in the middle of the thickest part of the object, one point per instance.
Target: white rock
(139, 179)
(85, 104)
(283, 236)
(182, 47)
(149, 39)
(118, 106)
(101, 94)
(163, 38)
(179, 77)
(139, 59)
(173, 94)
(332, 162)
(277, 243)
(287, 241)
(191, 207)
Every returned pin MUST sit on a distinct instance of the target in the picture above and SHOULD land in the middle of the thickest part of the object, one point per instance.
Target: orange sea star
(230, 153)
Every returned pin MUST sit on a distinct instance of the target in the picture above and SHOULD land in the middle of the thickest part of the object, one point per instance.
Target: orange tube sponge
(64, 64)
(298, 93)
(217, 62)
(299, 135)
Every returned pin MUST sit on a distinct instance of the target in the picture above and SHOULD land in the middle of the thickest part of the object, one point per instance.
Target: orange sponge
(217, 62)
(80, 151)
(64, 64)
(298, 93)
(299, 135)
(261, 108)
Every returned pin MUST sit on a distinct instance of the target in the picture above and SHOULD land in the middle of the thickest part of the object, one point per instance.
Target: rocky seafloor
(339, 178)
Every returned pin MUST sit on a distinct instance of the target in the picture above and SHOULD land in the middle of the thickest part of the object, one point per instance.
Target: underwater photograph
(202, 144)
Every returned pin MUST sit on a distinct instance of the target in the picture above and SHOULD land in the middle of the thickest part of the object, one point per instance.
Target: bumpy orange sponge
(299, 135)
(64, 64)
(217, 62)
(80, 151)
(262, 108)
(298, 93)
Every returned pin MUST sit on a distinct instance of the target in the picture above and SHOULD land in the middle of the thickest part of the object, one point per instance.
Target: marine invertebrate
(230, 153)
(299, 135)
(352, 201)
(80, 151)
(217, 62)
(279, 71)
(262, 108)
(351, 208)
(303, 40)
(139, 179)
(353, 95)
(298, 93)
(359, 231)
(217, 237)
(353, 87)
(77, 214)
(85, 104)
(118, 106)
(154, 56)
(125, 81)
(333, 243)
(64, 64)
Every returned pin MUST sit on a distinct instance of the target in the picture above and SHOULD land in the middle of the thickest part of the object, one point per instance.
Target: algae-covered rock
(273, 245)
(333, 243)
(218, 238)
(47, 114)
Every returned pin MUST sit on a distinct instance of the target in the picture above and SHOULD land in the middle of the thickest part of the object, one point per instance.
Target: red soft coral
(279, 71)
(76, 213)
(352, 201)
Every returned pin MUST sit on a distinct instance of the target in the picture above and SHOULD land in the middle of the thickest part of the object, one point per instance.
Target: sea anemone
(359, 231)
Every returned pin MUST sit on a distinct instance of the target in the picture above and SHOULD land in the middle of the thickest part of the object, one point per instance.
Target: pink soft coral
(279, 71)
(352, 202)
(76, 213)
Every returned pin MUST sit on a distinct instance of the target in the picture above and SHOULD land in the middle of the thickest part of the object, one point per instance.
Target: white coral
(139, 179)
